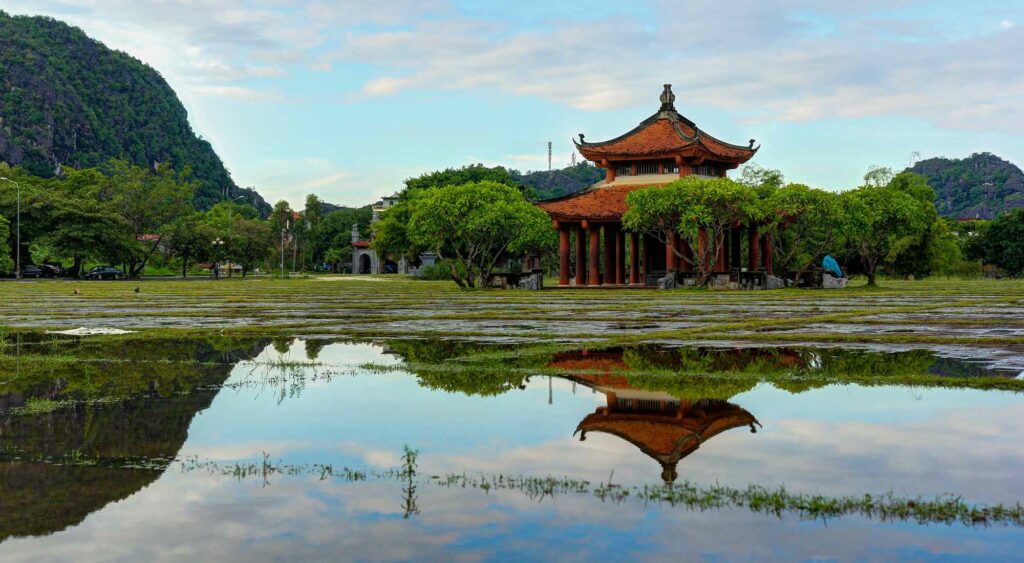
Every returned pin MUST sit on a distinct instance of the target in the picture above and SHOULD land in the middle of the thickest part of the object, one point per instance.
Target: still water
(260, 450)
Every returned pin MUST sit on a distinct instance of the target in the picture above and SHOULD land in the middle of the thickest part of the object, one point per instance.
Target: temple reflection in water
(664, 427)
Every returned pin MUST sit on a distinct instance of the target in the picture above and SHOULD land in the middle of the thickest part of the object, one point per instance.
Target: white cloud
(1007, 24)
(769, 60)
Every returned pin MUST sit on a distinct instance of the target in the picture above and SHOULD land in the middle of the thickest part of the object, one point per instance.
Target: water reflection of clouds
(302, 518)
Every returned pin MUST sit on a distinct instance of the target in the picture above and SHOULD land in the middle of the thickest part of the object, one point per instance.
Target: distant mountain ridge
(981, 186)
(68, 100)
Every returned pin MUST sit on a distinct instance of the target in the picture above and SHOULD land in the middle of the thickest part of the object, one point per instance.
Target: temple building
(664, 147)
(662, 426)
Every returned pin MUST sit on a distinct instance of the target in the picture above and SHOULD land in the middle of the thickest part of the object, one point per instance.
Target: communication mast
(549, 156)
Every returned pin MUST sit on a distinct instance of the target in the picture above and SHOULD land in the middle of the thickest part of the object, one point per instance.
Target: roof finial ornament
(668, 99)
(751, 144)
(581, 138)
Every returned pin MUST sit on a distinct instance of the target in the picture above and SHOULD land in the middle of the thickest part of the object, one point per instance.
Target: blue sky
(346, 98)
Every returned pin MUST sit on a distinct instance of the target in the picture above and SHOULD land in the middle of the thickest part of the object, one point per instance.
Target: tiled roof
(666, 133)
(664, 436)
(657, 138)
(601, 203)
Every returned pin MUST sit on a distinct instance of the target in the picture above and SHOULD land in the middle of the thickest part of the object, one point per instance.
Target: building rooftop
(666, 133)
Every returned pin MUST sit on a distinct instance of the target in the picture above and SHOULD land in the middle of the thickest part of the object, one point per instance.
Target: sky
(346, 99)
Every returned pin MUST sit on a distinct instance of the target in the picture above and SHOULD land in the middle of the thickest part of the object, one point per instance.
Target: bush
(436, 272)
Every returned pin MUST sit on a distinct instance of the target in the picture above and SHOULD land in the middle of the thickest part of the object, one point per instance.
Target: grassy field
(946, 312)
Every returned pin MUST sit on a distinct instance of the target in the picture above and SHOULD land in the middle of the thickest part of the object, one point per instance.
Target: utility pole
(549, 156)
(231, 203)
(17, 252)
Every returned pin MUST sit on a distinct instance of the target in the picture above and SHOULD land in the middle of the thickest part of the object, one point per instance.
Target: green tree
(699, 210)
(334, 235)
(878, 176)
(6, 260)
(472, 226)
(882, 223)
(190, 239)
(1002, 243)
(85, 229)
(252, 243)
(761, 179)
(807, 224)
(148, 201)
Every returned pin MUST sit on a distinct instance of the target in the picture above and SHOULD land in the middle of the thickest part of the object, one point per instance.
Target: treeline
(889, 224)
(144, 219)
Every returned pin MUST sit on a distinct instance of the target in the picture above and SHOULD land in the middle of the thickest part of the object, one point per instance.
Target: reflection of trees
(435, 364)
(59, 466)
(69, 369)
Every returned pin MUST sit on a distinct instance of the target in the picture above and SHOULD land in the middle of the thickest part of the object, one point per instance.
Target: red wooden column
(734, 249)
(594, 276)
(581, 255)
(610, 232)
(634, 259)
(620, 256)
(671, 243)
(767, 241)
(755, 250)
(720, 254)
(563, 255)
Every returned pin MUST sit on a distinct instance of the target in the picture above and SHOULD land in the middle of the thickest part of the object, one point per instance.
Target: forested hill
(66, 99)
(551, 184)
(979, 186)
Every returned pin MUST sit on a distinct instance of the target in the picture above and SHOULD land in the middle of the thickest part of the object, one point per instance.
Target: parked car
(104, 273)
(31, 271)
(52, 271)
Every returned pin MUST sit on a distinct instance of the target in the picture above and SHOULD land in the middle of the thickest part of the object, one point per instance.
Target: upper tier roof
(666, 133)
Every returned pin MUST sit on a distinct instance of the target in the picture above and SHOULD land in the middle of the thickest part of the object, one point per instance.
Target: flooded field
(506, 425)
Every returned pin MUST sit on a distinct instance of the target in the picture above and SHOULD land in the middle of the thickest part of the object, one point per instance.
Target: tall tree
(698, 210)
(190, 238)
(471, 227)
(807, 224)
(1002, 243)
(148, 201)
(882, 223)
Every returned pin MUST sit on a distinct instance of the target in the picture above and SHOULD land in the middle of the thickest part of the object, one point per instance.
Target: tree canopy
(472, 226)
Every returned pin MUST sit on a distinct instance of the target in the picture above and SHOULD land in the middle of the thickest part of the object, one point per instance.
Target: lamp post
(231, 203)
(218, 244)
(17, 243)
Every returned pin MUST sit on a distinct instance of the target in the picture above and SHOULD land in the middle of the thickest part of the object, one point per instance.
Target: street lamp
(218, 243)
(17, 264)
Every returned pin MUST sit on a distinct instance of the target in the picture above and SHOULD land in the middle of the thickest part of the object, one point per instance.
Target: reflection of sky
(842, 439)
(836, 440)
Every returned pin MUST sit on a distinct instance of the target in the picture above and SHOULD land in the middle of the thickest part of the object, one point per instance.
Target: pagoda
(664, 147)
(664, 427)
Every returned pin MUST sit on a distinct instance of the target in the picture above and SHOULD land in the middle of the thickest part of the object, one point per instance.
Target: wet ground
(505, 446)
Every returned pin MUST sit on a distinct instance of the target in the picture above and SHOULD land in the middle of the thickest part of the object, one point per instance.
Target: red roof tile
(665, 134)
(604, 203)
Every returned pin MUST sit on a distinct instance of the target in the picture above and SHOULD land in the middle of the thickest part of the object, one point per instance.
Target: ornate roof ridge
(703, 133)
(667, 112)
(673, 117)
